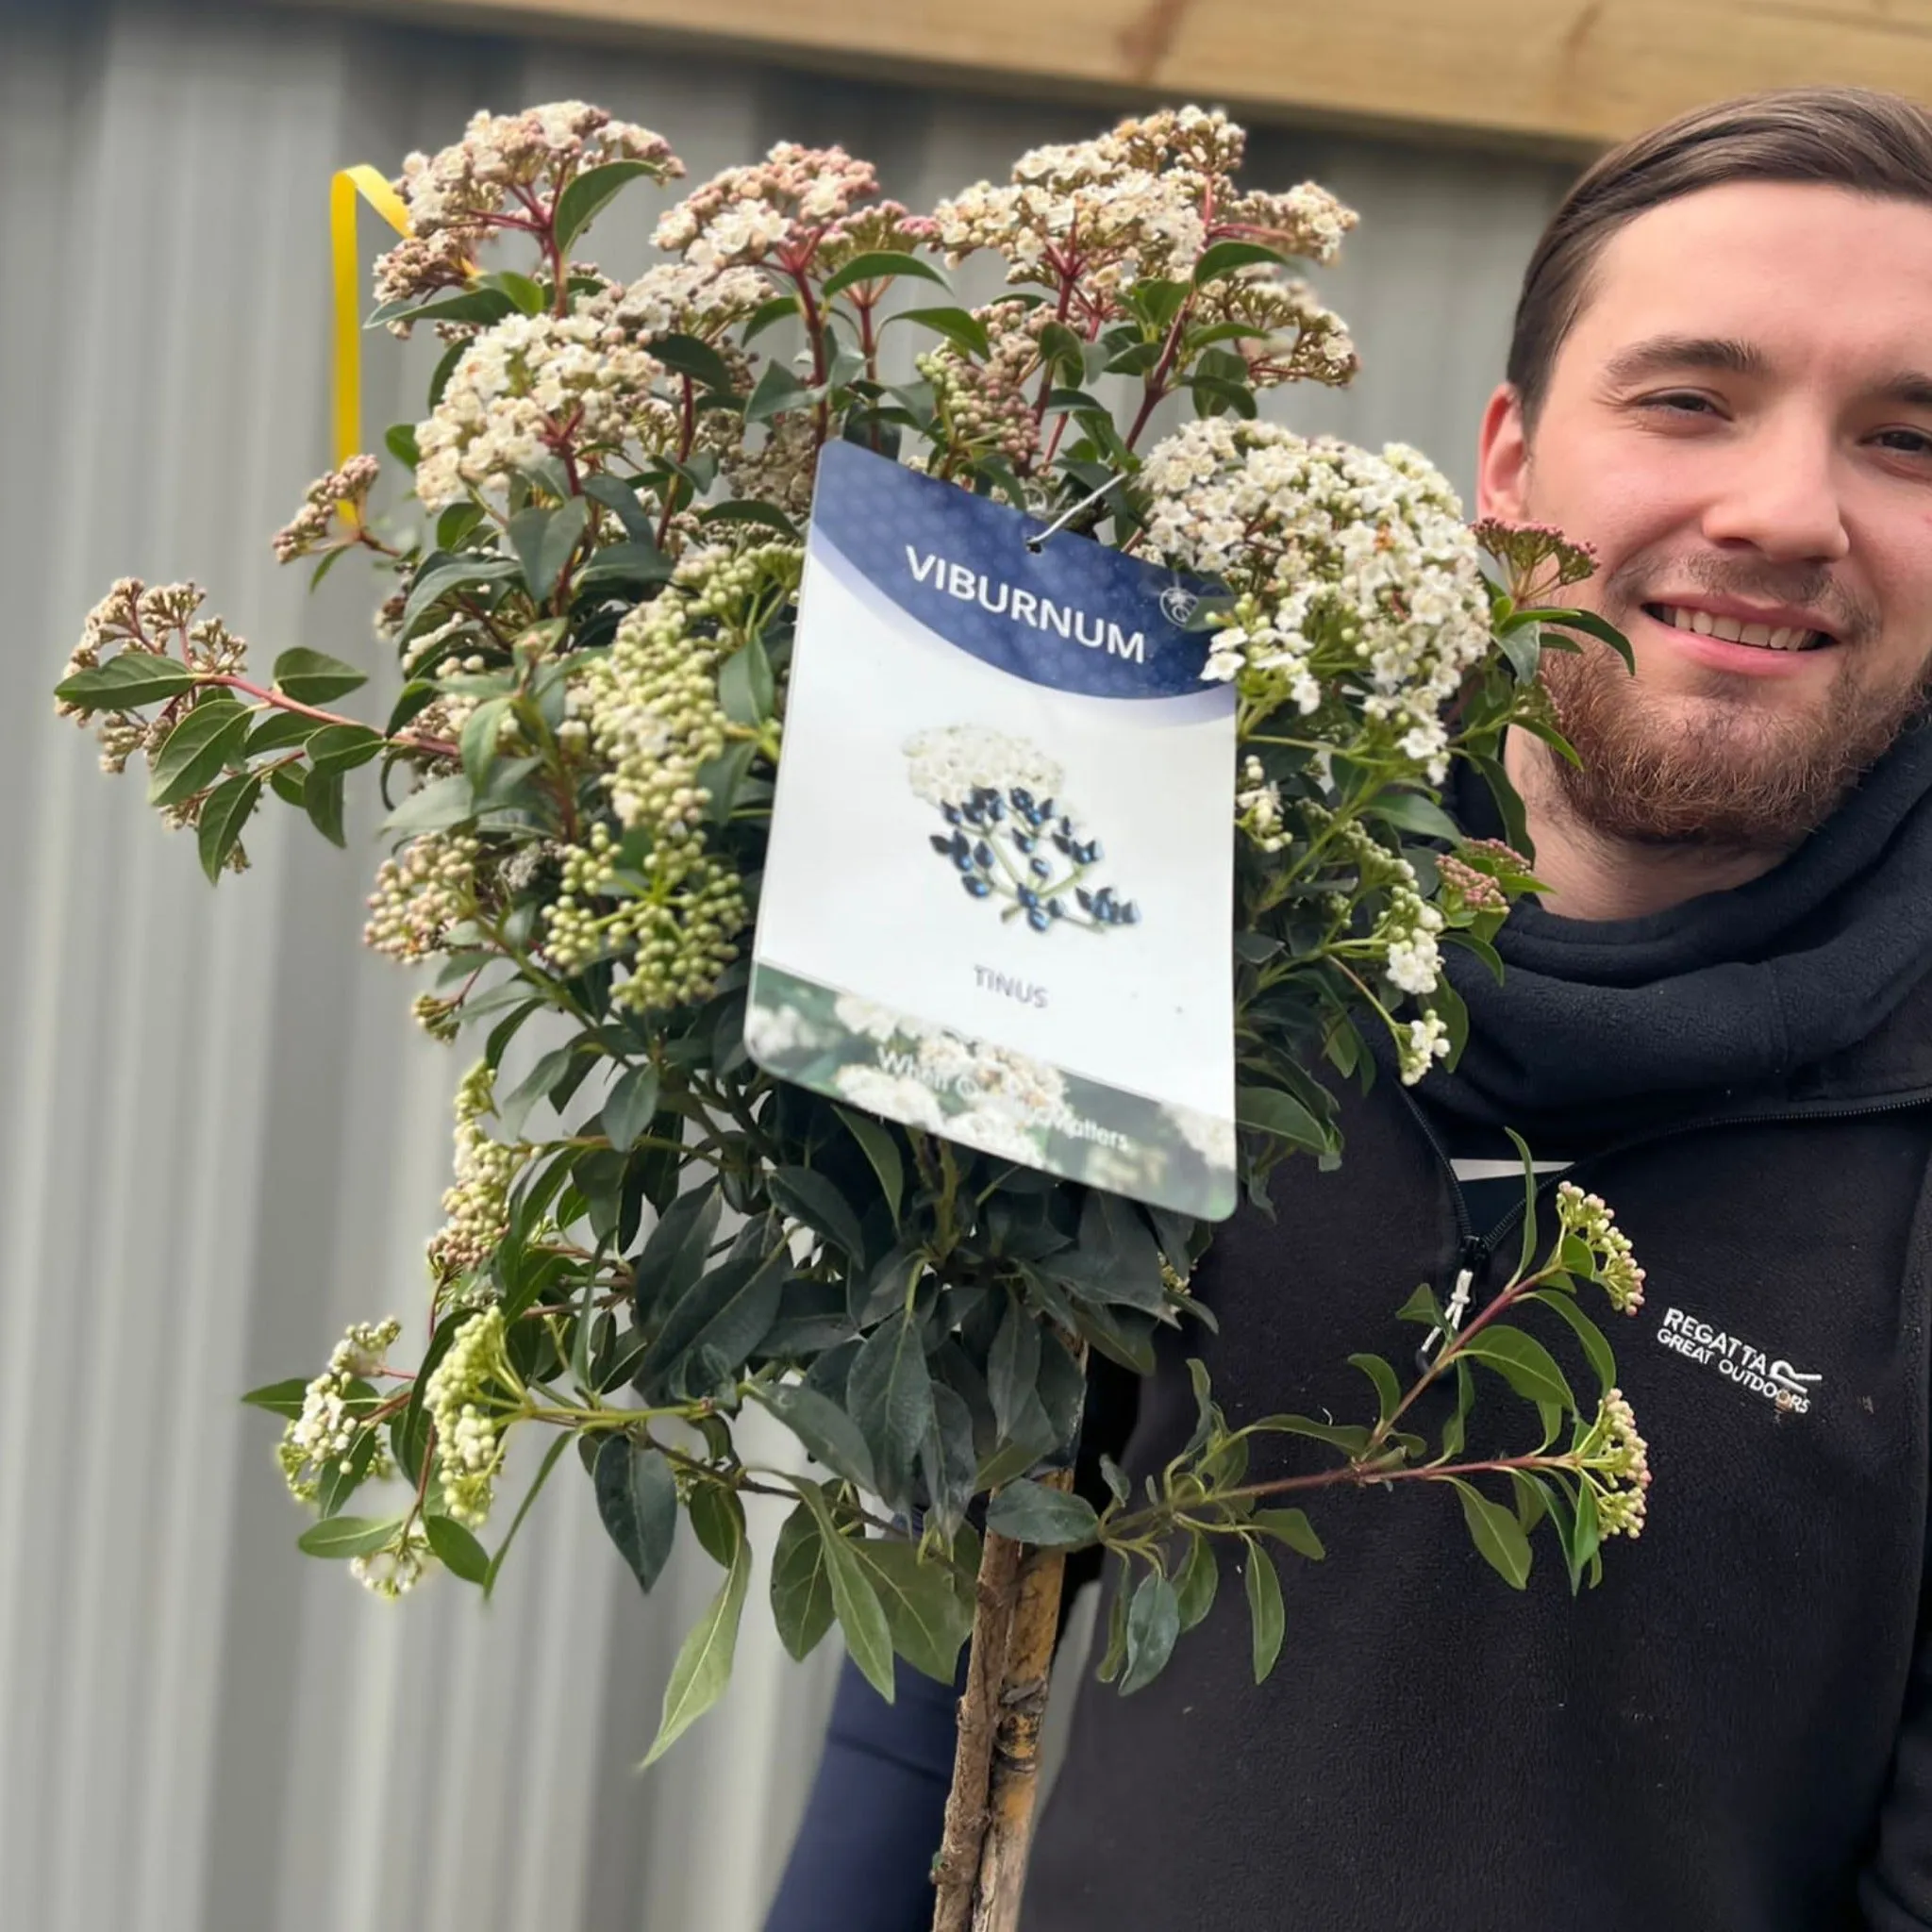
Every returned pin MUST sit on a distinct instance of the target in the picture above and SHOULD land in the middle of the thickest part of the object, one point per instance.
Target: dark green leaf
(399, 438)
(1153, 1620)
(777, 390)
(224, 814)
(1496, 1534)
(125, 683)
(1294, 1528)
(959, 326)
(1593, 625)
(728, 1311)
(1387, 1389)
(622, 499)
(342, 748)
(747, 688)
(806, 1196)
(1524, 1362)
(875, 1137)
(1224, 256)
(801, 1585)
(748, 510)
(673, 1256)
(888, 1394)
(513, 1108)
(776, 309)
(192, 753)
(877, 266)
(1012, 1367)
(1030, 1512)
(322, 799)
(276, 730)
(829, 1435)
(630, 1105)
(441, 804)
(348, 1536)
(855, 1601)
(279, 1398)
(698, 360)
(636, 1497)
(581, 200)
(455, 1549)
(704, 1662)
(1200, 1578)
(1525, 1261)
(543, 540)
(1276, 1113)
(929, 1615)
(1595, 1347)
(625, 564)
(1410, 811)
(1523, 645)
(313, 678)
(1267, 1617)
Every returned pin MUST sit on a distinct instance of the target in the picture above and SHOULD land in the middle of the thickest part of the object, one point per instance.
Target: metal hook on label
(1036, 543)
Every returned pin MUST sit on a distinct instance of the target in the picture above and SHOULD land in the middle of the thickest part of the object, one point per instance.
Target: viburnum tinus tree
(590, 556)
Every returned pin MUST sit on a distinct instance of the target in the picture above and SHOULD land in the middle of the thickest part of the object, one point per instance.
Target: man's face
(1741, 423)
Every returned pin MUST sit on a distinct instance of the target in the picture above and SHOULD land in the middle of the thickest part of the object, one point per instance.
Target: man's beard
(1732, 774)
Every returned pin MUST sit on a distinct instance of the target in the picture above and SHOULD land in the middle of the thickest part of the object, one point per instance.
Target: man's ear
(1502, 472)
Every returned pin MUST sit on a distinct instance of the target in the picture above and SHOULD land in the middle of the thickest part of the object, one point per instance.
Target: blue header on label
(1073, 614)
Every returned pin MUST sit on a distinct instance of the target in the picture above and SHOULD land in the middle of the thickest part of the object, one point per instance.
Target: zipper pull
(1458, 1300)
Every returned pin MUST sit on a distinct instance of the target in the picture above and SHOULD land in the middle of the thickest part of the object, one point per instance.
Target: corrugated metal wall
(221, 1139)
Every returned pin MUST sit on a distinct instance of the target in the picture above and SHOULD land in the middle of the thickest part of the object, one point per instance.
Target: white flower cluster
(326, 1429)
(1257, 808)
(685, 296)
(505, 173)
(395, 1570)
(476, 1210)
(533, 386)
(1419, 1045)
(946, 765)
(461, 1400)
(1615, 1450)
(1589, 1219)
(1145, 200)
(419, 896)
(313, 524)
(743, 214)
(1356, 580)
(1406, 931)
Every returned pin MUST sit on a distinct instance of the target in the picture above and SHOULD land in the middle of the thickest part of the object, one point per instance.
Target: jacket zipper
(1473, 1250)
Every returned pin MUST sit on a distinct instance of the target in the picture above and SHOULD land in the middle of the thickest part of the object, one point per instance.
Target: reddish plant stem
(436, 747)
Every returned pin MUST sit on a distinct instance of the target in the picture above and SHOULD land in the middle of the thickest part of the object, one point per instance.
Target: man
(1719, 1017)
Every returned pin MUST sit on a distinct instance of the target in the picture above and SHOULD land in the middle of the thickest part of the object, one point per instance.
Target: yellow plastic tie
(343, 190)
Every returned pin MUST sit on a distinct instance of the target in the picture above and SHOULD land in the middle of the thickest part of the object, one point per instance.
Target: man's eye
(1678, 402)
(1909, 442)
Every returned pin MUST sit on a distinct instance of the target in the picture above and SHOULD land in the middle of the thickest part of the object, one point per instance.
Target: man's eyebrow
(1722, 355)
(1727, 356)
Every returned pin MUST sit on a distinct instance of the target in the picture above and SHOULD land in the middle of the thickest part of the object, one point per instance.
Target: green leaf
(959, 326)
(704, 1662)
(689, 356)
(625, 563)
(192, 753)
(801, 1585)
(1276, 1113)
(543, 540)
(1224, 257)
(1593, 625)
(399, 438)
(636, 1498)
(311, 677)
(1153, 1620)
(513, 1108)
(729, 1311)
(775, 391)
(1294, 1528)
(888, 1394)
(1387, 1389)
(673, 1256)
(747, 688)
(1525, 1261)
(927, 1614)
(776, 309)
(748, 510)
(441, 804)
(877, 266)
(585, 197)
(1523, 645)
(348, 1536)
(1496, 1534)
(1410, 811)
(875, 1137)
(322, 799)
(1012, 1367)
(276, 730)
(224, 814)
(126, 682)
(717, 1519)
(455, 1549)
(630, 1106)
(279, 1398)
(342, 748)
(809, 1197)
(1200, 1578)
(1030, 1512)
(829, 1435)
(476, 747)
(855, 1601)
(1595, 1347)
(1267, 1617)
(430, 586)
(1524, 1362)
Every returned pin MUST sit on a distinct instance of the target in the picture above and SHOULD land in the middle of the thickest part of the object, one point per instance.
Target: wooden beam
(1569, 74)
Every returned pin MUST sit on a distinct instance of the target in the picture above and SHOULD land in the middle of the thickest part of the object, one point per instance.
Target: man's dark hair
(1838, 137)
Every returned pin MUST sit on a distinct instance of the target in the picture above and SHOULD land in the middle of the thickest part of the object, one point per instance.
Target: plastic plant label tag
(998, 899)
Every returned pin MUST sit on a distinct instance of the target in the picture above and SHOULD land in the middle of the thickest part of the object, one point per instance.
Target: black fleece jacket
(1732, 1734)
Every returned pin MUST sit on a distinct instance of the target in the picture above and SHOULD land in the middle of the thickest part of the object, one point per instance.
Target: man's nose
(1779, 495)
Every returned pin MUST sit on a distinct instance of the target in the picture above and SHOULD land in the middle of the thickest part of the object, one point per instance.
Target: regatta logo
(1025, 606)
(1178, 604)
(1779, 1382)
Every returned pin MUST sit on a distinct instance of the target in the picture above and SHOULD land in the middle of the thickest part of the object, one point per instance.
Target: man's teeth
(1772, 637)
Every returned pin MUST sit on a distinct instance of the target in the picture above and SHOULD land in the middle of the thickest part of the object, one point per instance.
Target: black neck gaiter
(1607, 1026)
